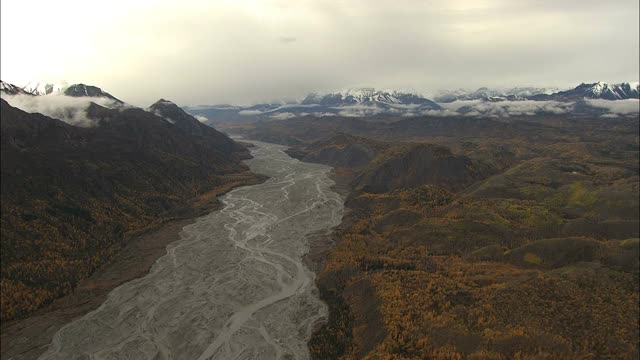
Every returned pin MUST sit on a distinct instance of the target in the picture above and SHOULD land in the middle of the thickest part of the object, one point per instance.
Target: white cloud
(628, 106)
(282, 116)
(360, 110)
(72, 110)
(249, 112)
(501, 108)
(159, 114)
(201, 118)
(212, 52)
(609, 116)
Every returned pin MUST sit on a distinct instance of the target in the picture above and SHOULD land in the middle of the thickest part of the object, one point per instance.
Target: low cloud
(283, 116)
(159, 114)
(364, 110)
(201, 118)
(249, 112)
(72, 110)
(502, 108)
(623, 107)
(323, 114)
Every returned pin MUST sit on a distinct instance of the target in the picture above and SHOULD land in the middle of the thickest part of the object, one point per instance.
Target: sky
(246, 51)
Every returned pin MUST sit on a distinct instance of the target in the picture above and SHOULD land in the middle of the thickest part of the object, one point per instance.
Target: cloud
(159, 114)
(249, 112)
(502, 108)
(72, 110)
(624, 107)
(609, 116)
(360, 110)
(283, 116)
(201, 118)
(217, 52)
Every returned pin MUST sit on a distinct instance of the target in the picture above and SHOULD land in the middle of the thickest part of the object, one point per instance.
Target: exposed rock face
(10, 89)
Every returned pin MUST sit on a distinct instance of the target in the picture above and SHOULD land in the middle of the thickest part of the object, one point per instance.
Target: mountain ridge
(370, 102)
(72, 196)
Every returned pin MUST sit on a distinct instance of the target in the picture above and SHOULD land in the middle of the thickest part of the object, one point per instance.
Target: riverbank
(321, 244)
(233, 286)
(323, 342)
(28, 338)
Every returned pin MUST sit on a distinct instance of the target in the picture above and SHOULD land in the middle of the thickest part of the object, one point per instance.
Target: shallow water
(234, 285)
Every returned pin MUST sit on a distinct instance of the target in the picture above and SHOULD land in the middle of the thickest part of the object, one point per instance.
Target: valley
(233, 286)
(320, 180)
(462, 237)
(477, 238)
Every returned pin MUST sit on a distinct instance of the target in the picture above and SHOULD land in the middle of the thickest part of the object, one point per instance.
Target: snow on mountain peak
(45, 88)
(10, 89)
(364, 96)
(360, 94)
(5, 86)
(611, 91)
(514, 93)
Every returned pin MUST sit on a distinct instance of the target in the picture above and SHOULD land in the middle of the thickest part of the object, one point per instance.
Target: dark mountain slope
(11, 89)
(412, 165)
(81, 90)
(304, 130)
(190, 125)
(341, 150)
(71, 196)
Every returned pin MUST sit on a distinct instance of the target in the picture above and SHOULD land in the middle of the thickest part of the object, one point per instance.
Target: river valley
(233, 287)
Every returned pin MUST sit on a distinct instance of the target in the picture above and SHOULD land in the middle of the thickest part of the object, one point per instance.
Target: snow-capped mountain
(81, 90)
(599, 90)
(489, 94)
(354, 102)
(369, 102)
(10, 89)
(45, 88)
(42, 88)
(368, 96)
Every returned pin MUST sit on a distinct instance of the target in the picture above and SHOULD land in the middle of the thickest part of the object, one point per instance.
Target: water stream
(233, 287)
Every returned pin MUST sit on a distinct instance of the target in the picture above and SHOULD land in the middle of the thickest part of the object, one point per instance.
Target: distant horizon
(427, 94)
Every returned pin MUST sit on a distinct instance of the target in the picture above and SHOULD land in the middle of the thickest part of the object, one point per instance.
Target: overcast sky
(209, 52)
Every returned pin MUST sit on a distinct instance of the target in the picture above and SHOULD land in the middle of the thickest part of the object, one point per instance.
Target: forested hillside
(72, 196)
(517, 243)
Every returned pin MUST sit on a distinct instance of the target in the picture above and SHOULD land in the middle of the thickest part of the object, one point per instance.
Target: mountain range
(43, 88)
(371, 102)
(599, 90)
(484, 93)
(463, 236)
